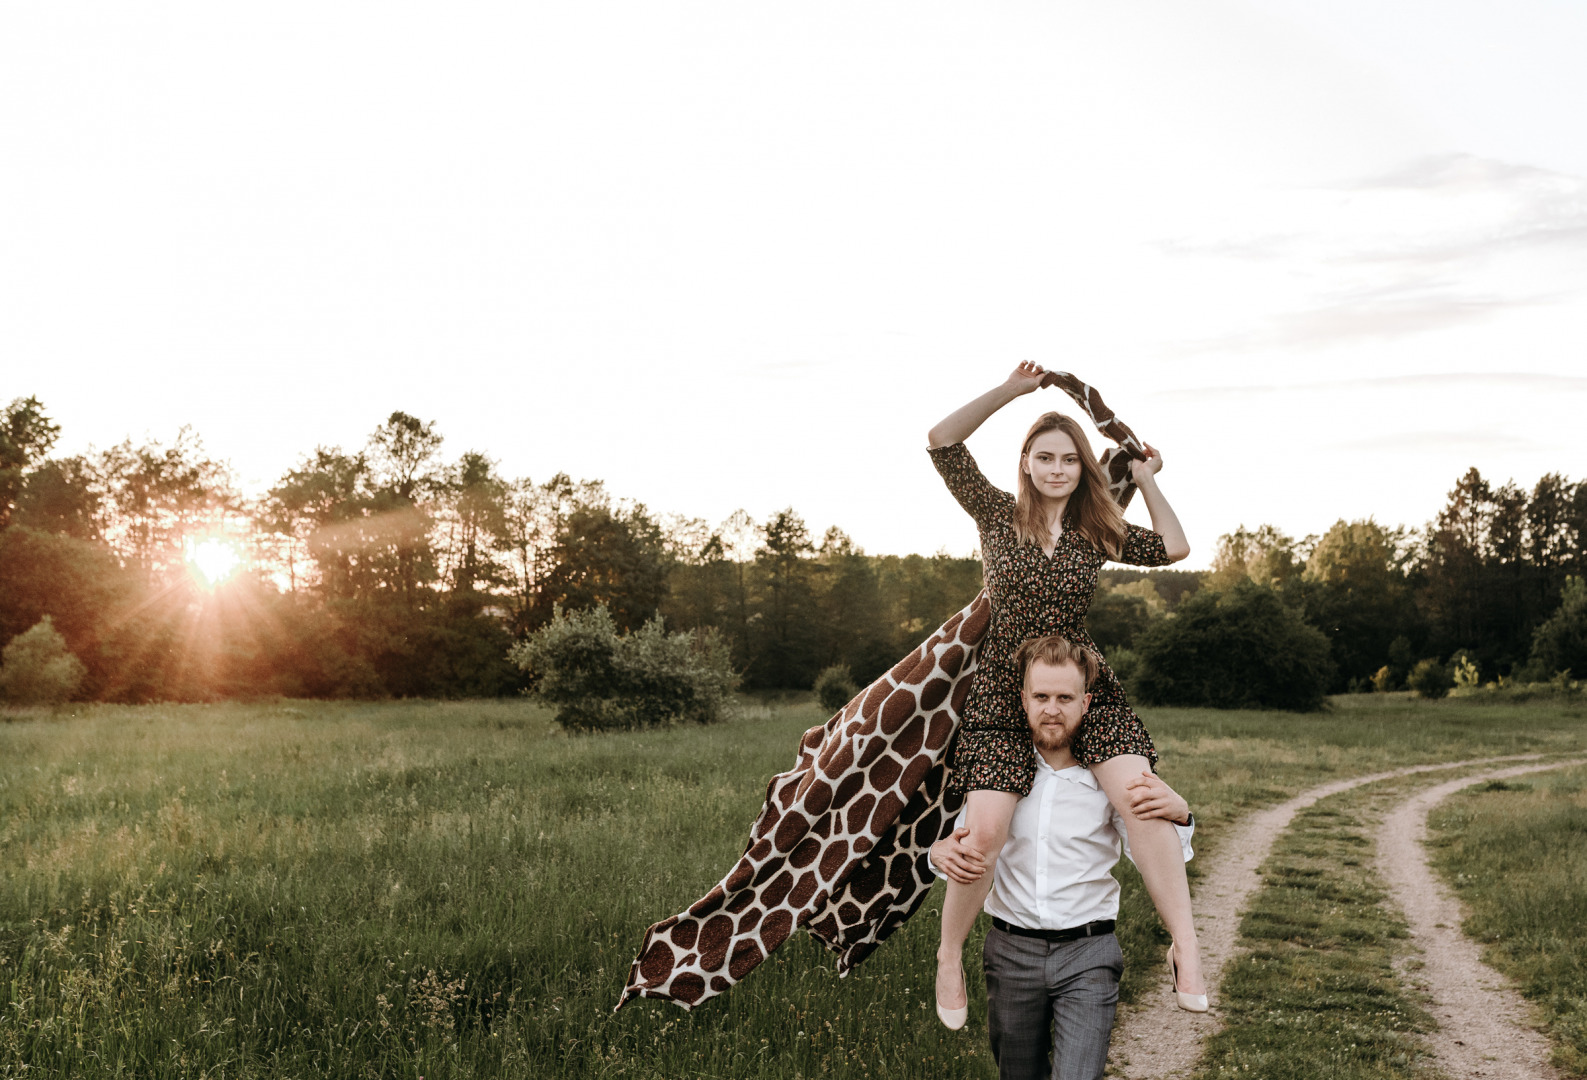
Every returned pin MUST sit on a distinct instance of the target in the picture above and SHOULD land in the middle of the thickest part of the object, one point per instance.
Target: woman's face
(1053, 465)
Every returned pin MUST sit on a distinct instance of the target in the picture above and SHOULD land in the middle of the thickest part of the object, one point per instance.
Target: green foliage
(599, 680)
(1560, 643)
(26, 435)
(1118, 615)
(1431, 678)
(36, 668)
(1234, 648)
(835, 687)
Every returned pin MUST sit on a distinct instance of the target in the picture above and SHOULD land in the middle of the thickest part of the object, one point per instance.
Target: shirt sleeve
(1185, 833)
(983, 502)
(1143, 547)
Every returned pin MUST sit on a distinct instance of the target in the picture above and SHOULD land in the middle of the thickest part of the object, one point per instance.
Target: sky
(724, 255)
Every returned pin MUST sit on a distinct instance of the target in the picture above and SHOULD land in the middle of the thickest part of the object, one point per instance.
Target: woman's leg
(1154, 846)
(987, 815)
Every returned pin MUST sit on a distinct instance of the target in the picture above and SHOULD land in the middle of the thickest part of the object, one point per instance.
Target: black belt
(1090, 929)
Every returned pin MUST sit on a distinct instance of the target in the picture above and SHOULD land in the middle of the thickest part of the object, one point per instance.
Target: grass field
(1516, 852)
(438, 890)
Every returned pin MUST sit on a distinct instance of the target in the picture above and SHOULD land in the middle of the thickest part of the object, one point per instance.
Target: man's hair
(1056, 650)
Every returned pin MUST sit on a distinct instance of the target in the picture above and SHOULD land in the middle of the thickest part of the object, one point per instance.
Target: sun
(213, 560)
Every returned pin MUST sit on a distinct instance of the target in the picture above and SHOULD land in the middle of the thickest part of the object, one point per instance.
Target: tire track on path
(1154, 1038)
(1483, 1021)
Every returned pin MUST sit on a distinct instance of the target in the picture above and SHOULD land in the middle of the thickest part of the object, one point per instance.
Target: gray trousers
(1051, 998)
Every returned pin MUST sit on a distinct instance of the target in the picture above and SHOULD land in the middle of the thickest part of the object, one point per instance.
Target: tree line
(397, 569)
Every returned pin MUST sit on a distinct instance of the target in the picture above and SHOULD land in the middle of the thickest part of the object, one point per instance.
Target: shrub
(1126, 665)
(1467, 675)
(1234, 648)
(1560, 643)
(1383, 679)
(600, 680)
(1431, 679)
(835, 686)
(36, 668)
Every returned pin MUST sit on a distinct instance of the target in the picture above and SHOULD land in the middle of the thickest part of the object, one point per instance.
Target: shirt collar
(1075, 774)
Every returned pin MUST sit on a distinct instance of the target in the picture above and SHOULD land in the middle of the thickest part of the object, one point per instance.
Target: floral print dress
(1034, 594)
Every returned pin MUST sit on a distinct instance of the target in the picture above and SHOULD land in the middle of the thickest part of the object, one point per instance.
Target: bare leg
(987, 816)
(1155, 848)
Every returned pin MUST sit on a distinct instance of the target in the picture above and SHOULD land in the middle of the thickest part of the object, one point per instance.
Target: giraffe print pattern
(841, 844)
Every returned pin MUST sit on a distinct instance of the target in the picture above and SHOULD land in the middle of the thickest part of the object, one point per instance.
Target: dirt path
(1483, 1021)
(1155, 1038)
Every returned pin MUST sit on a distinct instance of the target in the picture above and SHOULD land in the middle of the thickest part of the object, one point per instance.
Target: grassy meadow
(1516, 853)
(451, 889)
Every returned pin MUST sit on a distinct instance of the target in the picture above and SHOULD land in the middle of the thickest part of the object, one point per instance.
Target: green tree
(1240, 647)
(1354, 588)
(62, 495)
(157, 497)
(1265, 555)
(36, 668)
(1560, 643)
(787, 632)
(853, 624)
(475, 524)
(26, 435)
(606, 556)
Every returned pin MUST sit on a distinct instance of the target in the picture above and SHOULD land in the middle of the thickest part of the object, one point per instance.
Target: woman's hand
(1140, 470)
(960, 863)
(1151, 798)
(1026, 378)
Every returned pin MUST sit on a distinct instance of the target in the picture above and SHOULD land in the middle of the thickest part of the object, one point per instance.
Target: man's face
(1055, 701)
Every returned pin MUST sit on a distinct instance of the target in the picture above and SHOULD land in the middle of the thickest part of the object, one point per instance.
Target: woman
(1041, 552)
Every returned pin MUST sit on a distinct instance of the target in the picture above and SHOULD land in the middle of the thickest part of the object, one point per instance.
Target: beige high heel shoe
(954, 1019)
(1196, 1003)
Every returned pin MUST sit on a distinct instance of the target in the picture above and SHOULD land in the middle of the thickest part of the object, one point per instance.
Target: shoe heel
(1196, 1003)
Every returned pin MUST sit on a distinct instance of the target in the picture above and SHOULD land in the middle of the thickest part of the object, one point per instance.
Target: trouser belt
(1090, 929)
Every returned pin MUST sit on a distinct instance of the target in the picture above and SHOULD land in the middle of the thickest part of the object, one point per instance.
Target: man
(1052, 963)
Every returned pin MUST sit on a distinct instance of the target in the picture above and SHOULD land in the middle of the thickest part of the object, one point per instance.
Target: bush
(37, 669)
(835, 686)
(1560, 643)
(600, 680)
(1236, 648)
(1126, 665)
(1383, 679)
(1431, 679)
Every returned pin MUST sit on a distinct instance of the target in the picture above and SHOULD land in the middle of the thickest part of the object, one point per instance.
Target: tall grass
(1516, 852)
(407, 889)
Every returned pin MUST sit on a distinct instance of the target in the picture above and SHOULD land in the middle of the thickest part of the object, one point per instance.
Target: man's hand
(1151, 798)
(961, 863)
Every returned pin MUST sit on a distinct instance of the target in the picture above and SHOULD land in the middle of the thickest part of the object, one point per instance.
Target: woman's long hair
(1098, 518)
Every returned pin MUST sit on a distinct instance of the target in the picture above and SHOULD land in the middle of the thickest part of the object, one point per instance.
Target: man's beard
(1051, 742)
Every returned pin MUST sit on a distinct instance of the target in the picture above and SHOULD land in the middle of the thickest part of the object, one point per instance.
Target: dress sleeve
(975, 492)
(1143, 547)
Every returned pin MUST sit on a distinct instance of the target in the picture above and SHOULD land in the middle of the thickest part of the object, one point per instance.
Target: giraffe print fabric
(840, 846)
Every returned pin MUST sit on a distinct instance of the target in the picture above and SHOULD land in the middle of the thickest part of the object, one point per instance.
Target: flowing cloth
(841, 845)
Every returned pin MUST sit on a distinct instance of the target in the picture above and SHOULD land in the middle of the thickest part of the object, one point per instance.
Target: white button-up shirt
(1063, 842)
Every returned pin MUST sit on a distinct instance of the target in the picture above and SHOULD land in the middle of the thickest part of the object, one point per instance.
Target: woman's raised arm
(960, 424)
(1164, 521)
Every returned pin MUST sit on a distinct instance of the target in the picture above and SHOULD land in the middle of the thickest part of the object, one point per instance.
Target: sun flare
(213, 560)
